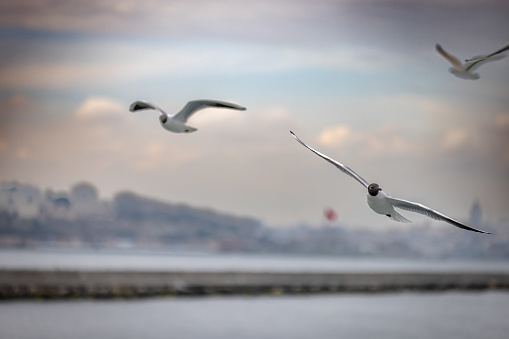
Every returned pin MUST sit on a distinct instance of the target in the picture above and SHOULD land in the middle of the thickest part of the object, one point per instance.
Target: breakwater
(19, 284)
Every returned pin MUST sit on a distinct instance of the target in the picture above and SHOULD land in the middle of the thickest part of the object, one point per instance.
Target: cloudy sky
(357, 80)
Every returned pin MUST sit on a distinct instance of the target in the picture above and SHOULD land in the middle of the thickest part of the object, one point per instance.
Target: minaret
(476, 214)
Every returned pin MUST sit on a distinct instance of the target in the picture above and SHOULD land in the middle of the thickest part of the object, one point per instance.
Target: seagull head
(163, 118)
(373, 189)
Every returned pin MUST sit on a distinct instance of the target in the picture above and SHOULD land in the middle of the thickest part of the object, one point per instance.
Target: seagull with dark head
(384, 204)
(178, 123)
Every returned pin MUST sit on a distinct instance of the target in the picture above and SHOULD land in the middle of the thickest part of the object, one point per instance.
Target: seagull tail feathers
(399, 218)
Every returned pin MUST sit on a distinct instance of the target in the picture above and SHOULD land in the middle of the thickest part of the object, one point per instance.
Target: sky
(357, 80)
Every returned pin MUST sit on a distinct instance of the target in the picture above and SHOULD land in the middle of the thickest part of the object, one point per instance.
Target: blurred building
(24, 201)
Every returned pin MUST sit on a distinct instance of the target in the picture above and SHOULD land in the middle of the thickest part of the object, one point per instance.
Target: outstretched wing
(142, 105)
(476, 64)
(195, 105)
(340, 166)
(481, 57)
(421, 209)
(452, 59)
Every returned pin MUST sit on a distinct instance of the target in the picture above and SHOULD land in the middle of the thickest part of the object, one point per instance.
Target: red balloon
(330, 214)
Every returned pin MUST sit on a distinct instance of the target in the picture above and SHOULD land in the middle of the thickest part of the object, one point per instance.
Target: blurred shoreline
(79, 219)
(72, 284)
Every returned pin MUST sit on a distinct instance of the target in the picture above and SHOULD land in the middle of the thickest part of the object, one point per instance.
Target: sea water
(391, 316)
(117, 260)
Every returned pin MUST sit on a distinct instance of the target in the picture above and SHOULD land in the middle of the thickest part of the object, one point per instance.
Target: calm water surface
(392, 316)
(150, 261)
(395, 316)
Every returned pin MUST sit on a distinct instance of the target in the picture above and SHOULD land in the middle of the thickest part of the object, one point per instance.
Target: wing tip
(229, 105)
(218, 104)
(297, 138)
(140, 105)
(468, 228)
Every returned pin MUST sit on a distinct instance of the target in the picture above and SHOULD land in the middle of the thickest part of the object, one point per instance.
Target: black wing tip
(135, 106)
(476, 230)
(297, 138)
(218, 104)
(228, 105)
(139, 105)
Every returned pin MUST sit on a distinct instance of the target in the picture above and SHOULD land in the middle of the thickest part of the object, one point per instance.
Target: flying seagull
(177, 122)
(482, 57)
(465, 71)
(382, 203)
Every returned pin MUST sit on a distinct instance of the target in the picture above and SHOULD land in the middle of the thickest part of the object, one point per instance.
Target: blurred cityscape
(30, 217)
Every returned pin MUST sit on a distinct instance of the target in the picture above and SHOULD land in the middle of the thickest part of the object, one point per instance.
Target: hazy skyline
(357, 80)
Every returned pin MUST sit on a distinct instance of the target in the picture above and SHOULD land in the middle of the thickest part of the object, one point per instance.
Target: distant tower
(476, 214)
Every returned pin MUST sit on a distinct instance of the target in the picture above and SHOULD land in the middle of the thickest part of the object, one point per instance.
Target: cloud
(100, 108)
(269, 18)
(335, 136)
(116, 63)
(455, 138)
(480, 142)
(386, 140)
(32, 73)
(158, 18)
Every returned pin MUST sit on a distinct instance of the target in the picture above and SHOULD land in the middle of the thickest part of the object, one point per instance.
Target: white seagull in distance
(382, 203)
(465, 71)
(177, 122)
(482, 57)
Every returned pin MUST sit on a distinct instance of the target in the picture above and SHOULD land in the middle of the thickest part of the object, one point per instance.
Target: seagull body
(382, 203)
(465, 71)
(178, 122)
(379, 202)
(482, 57)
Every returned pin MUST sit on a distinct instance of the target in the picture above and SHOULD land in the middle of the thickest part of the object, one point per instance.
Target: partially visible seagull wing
(195, 105)
(480, 57)
(452, 59)
(421, 209)
(142, 105)
(340, 166)
(476, 64)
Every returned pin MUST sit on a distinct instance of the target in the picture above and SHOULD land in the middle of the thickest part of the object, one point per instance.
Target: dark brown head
(373, 189)
(163, 118)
